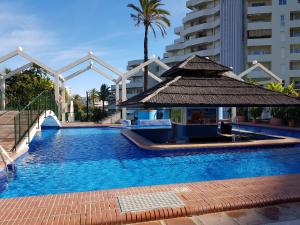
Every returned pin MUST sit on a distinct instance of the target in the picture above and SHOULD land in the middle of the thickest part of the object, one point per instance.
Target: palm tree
(150, 14)
(104, 94)
(93, 95)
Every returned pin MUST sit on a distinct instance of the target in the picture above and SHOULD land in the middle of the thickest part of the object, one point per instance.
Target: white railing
(5, 157)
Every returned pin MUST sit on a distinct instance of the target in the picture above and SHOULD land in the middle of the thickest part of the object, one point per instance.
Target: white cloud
(18, 29)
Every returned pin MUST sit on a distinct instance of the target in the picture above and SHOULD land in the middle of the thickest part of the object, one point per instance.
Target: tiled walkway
(283, 214)
(102, 207)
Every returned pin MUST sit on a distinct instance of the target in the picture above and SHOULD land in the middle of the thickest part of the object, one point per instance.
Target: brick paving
(101, 207)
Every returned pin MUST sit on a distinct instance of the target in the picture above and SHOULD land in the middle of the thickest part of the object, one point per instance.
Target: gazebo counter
(186, 132)
(147, 144)
(155, 134)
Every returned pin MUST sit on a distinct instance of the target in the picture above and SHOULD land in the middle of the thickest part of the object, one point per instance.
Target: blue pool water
(84, 159)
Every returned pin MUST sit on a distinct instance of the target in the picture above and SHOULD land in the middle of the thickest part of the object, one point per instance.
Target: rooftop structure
(236, 33)
(200, 82)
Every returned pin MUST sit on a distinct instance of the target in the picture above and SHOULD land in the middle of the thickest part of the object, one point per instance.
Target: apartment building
(237, 32)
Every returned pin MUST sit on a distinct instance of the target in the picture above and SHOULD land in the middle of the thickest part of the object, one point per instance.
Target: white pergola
(19, 52)
(263, 68)
(60, 80)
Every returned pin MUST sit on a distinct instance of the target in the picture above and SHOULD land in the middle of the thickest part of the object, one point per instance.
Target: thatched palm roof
(194, 65)
(189, 84)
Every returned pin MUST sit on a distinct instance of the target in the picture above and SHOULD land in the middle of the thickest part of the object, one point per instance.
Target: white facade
(136, 82)
(237, 32)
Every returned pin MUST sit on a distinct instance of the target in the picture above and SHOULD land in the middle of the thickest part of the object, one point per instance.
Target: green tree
(78, 107)
(24, 87)
(151, 15)
(279, 87)
(94, 96)
(104, 94)
(281, 112)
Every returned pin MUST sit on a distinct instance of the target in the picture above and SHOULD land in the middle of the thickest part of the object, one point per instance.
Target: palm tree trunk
(146, 58)
(103, 106)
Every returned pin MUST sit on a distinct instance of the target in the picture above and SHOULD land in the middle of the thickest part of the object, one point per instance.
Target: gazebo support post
(124, 97)
(56, 88)
(233, 114)
(63, 102)
(117, 95)
(2, 90)
(220, 110)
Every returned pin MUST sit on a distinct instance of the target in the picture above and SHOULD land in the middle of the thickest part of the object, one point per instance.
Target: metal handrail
(30, 114)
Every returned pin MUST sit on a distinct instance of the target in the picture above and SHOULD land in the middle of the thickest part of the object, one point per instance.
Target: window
(257, 4)
(282, 22)
(295, 49)
(253, 34)
(295, 15)
(282, 2)
(295, 32)
(295, 65)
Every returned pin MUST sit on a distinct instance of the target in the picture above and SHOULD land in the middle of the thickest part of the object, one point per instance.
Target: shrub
(256, 112)
(278, 112)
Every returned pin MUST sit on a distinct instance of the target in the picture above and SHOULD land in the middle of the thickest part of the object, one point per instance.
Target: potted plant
(293, 116)
(255, 112)
(242, 114)
(278, 114)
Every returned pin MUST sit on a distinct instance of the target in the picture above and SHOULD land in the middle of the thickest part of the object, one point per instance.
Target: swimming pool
(85, 159)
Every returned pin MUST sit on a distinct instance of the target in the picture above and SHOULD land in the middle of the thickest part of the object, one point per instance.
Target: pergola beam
(90, 56)
(153, 76)
(8, 56)
(74, 64)
(100, 72)
(18, 70)
(262, 67)
(107, 66)
(42, 65)
(77, 73)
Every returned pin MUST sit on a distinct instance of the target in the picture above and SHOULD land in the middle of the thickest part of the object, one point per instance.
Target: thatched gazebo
(199, 86)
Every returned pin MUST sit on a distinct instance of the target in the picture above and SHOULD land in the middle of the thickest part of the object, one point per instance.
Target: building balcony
(207, 52)
(259, 57)
(178, 30)
(192, 42)
(179, 40)
(201, 40)
(201, 13)
(294, 23)
(295, 40)
(260, 9)
(259, 41)
(259, 25)
(191, 3)
(135, 84)
(174, 47)
(200, 27)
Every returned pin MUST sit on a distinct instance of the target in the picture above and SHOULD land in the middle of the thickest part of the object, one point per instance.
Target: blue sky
(58, 32)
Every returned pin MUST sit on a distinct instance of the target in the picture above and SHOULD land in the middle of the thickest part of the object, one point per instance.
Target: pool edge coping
(147, 144)
(199, 198)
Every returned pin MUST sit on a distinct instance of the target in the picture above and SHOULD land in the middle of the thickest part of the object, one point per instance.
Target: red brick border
(101, 207)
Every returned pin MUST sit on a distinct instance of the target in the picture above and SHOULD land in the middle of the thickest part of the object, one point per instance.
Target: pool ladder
(8, 162)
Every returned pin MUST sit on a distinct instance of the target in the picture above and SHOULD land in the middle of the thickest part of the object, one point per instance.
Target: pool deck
(102, 207)
(146, 144)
